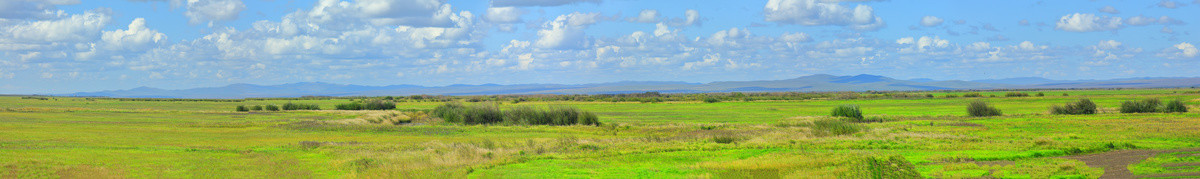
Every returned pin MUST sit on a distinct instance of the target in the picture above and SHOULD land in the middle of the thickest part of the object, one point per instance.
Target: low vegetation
(1175, 106)
(370, 105)
(523, 115)
(834, 127)
(1083, 106)
(1144, 106)
(295, 106)
(981, 109)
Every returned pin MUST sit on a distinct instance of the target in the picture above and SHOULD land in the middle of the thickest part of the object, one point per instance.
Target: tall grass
(1083, 106)
(524, 115)
(981, 109)
(833, 127)
(847, 110)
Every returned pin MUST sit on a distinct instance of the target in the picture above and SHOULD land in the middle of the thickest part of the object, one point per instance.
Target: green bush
(1083, 106)
(242, 108)
(981, 109)
(951, 96)
(833, 127)
(350, 106)
(847, 110)
(294, 106)
(380, 105)
(724, 139)
(972, 95)
(1144, 106)
(1175, 106)
(1040, 94)
(272, 107)
(257, 108)
(711, 100)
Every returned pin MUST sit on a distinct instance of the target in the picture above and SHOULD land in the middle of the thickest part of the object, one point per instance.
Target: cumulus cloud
(504, 14)
(1182, 50)
(542, 3)
(73, 28)
(566, 31)
(201, 11)
(817, 12)
(930, 21)
(137, 37)
(691, 17)
(1080, 22)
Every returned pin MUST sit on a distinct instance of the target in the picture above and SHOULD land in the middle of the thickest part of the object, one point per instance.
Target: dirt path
(1115, 163)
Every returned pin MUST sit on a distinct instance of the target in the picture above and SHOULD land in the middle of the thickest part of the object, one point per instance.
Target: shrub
(272, 107)
(724, 139)
(951, 96)
(833, 127)
(1083, 106)
(257, 108)
(847, 110)
(1040, 94)
(711, 100)
(929, 95)
(450, 112)
(981, 109)
(482, 114)
(294, 106)
(379, 105)
(350, 106)
(866, 119)
(1144, 106)
(1016, 94)
(242, 108)
(972, 95)
(1175, 106)
(1065, 94)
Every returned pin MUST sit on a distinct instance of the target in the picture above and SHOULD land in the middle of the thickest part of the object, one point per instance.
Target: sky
(64, 46)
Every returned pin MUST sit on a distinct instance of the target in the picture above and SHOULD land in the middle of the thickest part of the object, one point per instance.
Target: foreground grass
(75, 137)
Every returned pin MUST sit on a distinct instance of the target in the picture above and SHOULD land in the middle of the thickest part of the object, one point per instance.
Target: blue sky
(62, 46)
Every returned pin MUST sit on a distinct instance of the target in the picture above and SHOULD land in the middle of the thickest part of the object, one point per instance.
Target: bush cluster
(847, 110)
(295, 106)
(981, 109)
(833, 127)
(490, 114)
(242, 108)
(972, 95)
(711, 100)
(1152, 105)
(371, 105)
(272, 107)
(1083, 106)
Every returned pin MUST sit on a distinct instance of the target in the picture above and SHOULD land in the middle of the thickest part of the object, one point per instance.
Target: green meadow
(67, 137)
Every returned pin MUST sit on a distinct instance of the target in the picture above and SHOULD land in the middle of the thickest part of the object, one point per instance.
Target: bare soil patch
(1115, 163)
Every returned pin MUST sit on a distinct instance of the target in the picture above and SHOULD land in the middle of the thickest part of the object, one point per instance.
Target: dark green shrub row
(370, 105)
(272, 107)
(711, 100)
(981, 109)
(269, 107)
(1083, 106)
(847, 110)
(1152, 105)
(490, 114)
(295, 106)
(972, 95)
(242, 108)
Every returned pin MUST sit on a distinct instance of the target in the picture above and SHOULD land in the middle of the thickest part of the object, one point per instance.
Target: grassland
(81, 137)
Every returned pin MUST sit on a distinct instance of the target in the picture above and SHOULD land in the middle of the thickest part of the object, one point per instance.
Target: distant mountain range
(811, 83)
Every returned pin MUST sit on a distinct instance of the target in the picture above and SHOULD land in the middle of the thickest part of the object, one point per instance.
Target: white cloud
(930, 21)
(815, 12)
(647, 16)
(1109, 9)
(1182, 50)
(543, 3)
(75, 28)
(566, 31)
(202, 11)
(1079, 22)
(30, 9)
(504, 14)
(692, 17)
(136, 37)
(729, 37)
(1170, 4)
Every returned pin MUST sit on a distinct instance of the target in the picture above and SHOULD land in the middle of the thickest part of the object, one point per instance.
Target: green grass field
(104, 138)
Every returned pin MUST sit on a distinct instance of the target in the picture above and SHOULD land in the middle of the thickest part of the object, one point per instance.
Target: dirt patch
(1114, 163)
